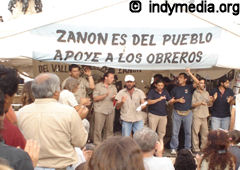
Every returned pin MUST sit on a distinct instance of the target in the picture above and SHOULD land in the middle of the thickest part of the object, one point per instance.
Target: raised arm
(192, 76)
(232, 121)
(88, 72)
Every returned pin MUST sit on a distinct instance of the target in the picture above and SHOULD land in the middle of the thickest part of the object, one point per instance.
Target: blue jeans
(220, 123)
(43, 168)
(127, 127)
(176, 123)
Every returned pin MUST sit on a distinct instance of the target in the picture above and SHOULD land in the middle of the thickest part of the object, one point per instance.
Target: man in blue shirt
(222, 98)
(157, 99)
(182, 99)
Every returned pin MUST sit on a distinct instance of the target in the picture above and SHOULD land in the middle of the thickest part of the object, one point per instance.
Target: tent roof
(110, 15)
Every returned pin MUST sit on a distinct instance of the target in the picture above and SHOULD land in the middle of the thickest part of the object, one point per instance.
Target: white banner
(127, 48)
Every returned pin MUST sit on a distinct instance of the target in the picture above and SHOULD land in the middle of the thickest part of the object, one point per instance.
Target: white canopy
(106, 33)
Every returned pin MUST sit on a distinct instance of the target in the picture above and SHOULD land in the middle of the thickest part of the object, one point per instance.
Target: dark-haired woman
(17, 158)
(216, 155)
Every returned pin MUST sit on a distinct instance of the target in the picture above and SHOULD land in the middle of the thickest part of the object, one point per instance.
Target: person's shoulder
(64, 81)
(17, 158)
(82, 79)
(65, 92)
(9, 127)
(162, 159)
(196, 92)
(60, 106)
(234, 148)
(206, 92)
(26, 107)
(138, 90)
(151, 92)
(113, 86)
(65, 112)
(164, 162)
(176, 87)
(99, 84)
(230, 90)
(165, 91)
(13, 152)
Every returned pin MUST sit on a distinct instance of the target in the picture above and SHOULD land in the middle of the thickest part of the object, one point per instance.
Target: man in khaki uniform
(103, 96)
(129, 100)
(81, 93)
(200, 102)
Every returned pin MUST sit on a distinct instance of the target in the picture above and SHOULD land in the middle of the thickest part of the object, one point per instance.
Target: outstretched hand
(188, 70)
(32, 148)
(87, 71)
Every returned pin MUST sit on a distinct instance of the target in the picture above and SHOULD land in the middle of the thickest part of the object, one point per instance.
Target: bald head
(45, 85)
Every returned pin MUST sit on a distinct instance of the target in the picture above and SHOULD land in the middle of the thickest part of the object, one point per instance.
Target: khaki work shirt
(104, 106)
(128, 109)
(58, 129)
(202, 110)
(82, 88)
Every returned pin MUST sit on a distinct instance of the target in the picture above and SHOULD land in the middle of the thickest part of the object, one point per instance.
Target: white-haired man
(152, 150)
(57, 127)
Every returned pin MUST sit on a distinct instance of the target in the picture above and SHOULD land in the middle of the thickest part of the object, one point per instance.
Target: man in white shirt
(152, 150)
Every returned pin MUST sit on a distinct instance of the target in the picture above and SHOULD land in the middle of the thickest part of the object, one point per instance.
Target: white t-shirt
(68, 98)
(156, 163)
(237, 113)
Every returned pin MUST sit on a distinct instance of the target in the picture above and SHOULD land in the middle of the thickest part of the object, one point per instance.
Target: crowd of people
(53, 126)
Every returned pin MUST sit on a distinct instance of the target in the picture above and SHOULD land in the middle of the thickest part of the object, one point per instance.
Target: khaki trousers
(103, 122)
(158, 123)
(199, 125)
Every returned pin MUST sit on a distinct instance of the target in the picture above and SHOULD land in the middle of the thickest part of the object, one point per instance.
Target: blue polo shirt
(221, 108)
(158, 108)
(183, 91)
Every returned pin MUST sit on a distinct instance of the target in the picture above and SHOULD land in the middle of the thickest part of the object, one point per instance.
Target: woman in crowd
(116, 153)
(67, 97)
(216, 155)
(17, 158)
(27, 95)
(234, 137)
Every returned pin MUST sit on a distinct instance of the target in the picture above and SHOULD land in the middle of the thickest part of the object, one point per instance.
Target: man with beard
(130, 100)
(200, 103)
(103, 96)
(222, 98)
